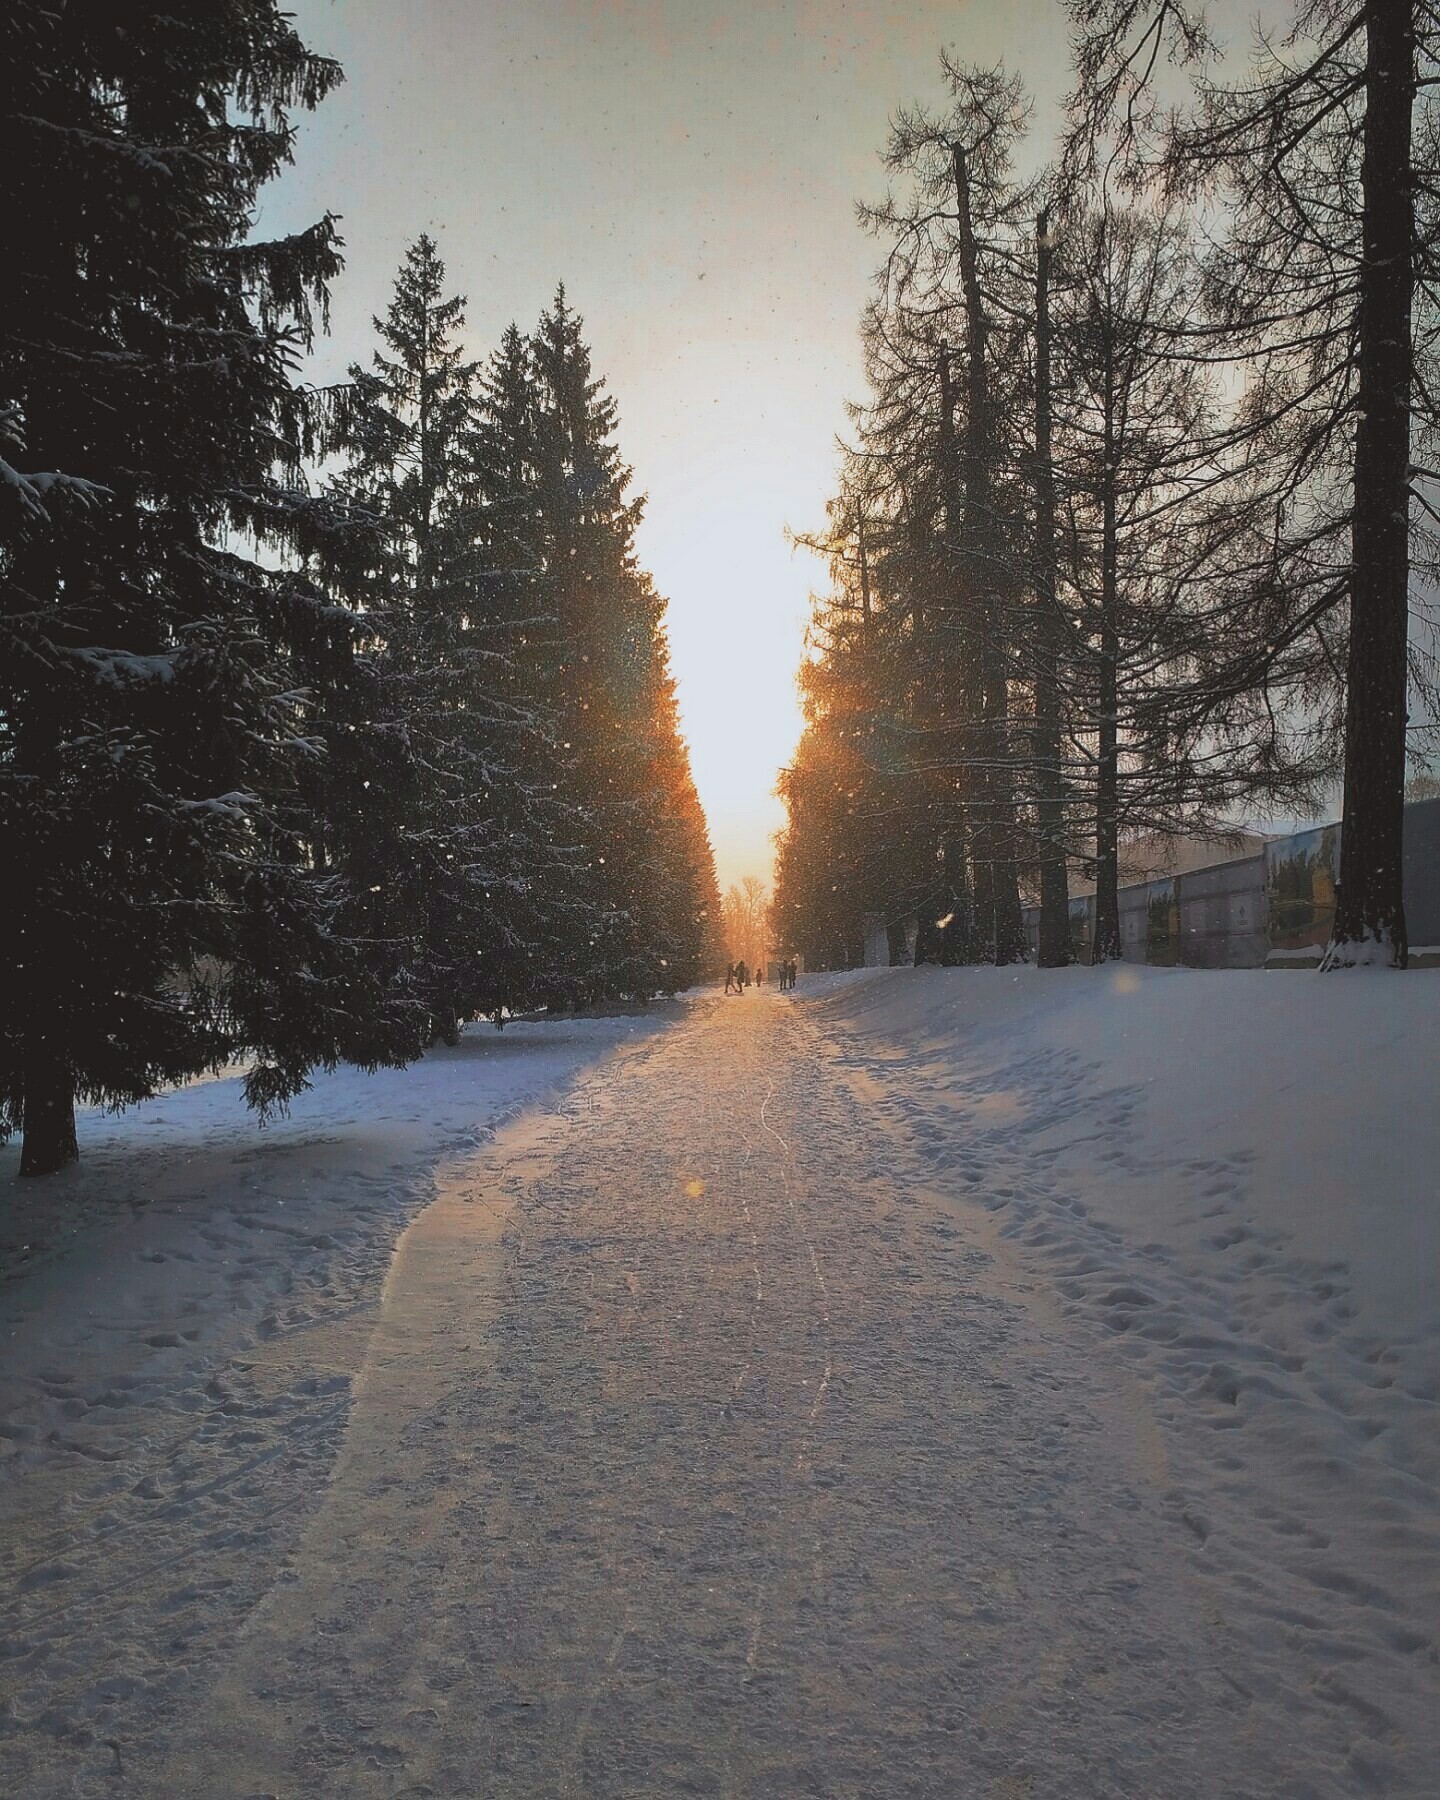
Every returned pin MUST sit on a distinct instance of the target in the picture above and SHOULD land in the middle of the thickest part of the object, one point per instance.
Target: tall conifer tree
(472, 859)
(162, 910)
(648, 866)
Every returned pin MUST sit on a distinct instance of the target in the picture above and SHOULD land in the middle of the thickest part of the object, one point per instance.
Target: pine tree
(163, 910)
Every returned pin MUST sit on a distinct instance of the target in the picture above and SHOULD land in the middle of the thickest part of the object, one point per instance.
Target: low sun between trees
(330, 719)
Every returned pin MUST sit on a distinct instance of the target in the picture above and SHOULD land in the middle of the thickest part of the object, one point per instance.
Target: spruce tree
(163, 911)
(501, 515)
(647, 867)
(471, 853)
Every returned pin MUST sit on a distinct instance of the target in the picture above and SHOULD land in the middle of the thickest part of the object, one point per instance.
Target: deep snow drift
(1233, 1176)
(180, 1319)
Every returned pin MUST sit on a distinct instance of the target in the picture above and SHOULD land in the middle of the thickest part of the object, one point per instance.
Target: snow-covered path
(703, 1447)
(181, 1317)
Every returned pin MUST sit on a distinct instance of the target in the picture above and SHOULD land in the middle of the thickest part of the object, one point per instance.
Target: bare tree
(1141, 532)
(1048, 631)
(1319, 165)
(745, 921)
(943, 330)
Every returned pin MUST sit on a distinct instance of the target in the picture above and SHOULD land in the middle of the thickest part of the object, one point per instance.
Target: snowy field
(1235, 1177)
(181, 1318)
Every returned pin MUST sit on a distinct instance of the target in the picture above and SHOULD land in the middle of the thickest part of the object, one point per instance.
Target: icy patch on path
(1230, 1178)
(180, 1320)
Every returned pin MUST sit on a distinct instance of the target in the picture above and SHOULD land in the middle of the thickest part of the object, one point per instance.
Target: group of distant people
(738, 976)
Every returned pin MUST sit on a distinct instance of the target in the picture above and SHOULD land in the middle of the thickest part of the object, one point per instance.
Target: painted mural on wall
(1276, 908)
(1300, 876)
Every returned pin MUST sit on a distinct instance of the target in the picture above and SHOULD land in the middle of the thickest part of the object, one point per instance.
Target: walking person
(729, 978)
(759, 974)
(742, 975)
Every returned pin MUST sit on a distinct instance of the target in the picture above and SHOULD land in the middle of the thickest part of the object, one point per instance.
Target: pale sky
(689, 170)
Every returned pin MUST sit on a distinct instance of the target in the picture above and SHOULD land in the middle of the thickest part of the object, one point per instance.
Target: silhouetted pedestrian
(742, 974)
(729, 978)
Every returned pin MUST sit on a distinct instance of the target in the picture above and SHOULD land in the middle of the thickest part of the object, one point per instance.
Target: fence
(1257, 911)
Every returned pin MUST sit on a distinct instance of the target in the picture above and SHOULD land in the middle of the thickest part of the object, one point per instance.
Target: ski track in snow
(866, 1392)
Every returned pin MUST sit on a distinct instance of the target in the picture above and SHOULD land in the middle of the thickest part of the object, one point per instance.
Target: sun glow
(738, 603)
(707, 237)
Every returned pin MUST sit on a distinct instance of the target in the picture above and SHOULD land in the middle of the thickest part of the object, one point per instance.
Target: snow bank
(1233, 1177)
(180, 1317)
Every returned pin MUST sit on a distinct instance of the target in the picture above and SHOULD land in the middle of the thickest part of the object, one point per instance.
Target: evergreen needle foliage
(293, 769)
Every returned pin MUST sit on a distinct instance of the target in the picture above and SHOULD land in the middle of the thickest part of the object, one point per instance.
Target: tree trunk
(49, 1140)
(957, 778)
(1107, 947)
(1054, 948)
(1370, 907)
(957, 934)
(864, 577)
(999, 931)
(1006, 925)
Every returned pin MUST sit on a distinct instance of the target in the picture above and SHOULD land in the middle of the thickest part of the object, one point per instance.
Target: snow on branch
(115, 667)
(32, 491)
(237, 806)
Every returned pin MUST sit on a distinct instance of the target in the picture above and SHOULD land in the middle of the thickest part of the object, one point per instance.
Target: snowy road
(702, 1448)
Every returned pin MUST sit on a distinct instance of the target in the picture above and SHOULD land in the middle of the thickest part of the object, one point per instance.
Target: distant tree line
(328, 719)
(745, 922)
(1135, 528)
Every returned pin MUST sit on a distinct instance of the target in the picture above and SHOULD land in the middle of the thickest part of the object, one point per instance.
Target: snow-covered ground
(1236, 1178)
(1089, 1320)
(180, 1319)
